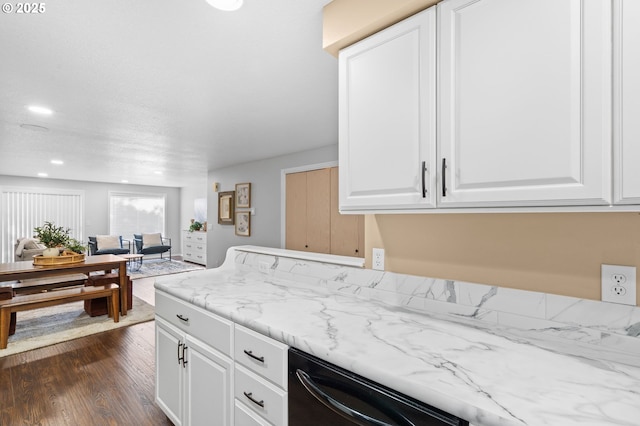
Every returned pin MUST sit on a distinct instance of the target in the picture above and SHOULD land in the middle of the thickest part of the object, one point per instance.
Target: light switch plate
(619, 284)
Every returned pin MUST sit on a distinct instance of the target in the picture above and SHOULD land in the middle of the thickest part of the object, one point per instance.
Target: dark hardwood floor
(102, 379)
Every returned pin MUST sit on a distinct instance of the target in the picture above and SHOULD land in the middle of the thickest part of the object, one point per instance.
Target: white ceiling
(175, 86)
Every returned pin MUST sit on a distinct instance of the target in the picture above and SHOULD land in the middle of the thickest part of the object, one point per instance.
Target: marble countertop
(486, 375)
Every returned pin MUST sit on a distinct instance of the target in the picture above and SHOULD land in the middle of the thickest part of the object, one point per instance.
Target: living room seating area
(108, 244)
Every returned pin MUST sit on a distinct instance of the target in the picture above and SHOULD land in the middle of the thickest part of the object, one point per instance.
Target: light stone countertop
(484, 374)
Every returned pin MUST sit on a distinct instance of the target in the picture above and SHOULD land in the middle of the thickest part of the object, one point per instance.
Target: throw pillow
(151, 240)
(106, 242)
(32, 244)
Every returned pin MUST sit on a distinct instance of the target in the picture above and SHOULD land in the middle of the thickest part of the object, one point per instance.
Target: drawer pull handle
(257, 358)
(250, 396)
(180, 317)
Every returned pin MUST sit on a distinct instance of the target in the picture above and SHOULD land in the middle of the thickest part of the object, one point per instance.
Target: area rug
(155, 267)
(48, 326)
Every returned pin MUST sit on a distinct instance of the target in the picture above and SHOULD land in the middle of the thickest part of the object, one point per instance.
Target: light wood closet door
(296, 211)
(319, 211)
(347, 231)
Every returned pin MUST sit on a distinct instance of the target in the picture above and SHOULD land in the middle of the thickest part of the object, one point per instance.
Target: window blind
(136, 213)
(26, 208)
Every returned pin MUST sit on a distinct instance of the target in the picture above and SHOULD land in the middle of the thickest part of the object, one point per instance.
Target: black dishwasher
(323, 394)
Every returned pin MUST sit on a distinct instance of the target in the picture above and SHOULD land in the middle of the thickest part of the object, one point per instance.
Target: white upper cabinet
(525, 103)
(627, 101)
(387, 118)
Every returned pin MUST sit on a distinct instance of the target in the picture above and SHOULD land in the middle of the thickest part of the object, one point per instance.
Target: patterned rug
(48, 326)
(155, 267)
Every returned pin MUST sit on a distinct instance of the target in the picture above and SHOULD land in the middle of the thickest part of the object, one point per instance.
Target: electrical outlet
(378, 259)
(619, 284)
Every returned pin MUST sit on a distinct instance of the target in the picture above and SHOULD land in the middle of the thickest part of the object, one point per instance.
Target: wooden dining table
(104, 262)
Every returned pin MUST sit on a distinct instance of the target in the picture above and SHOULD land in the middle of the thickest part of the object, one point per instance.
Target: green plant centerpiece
(75, 246)
(53, 237)
(195, 226)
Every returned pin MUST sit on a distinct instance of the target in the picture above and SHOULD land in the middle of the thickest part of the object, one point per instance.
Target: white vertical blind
(26, 208)
(135, 213)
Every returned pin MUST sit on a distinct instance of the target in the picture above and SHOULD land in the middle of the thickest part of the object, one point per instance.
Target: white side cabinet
(626, 101)
(193, 364)
(525, 102)
(194, 247)
(387, 130)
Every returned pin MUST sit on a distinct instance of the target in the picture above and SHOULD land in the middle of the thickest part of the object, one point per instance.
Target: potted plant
(195, 226)
(53, 237)
(75, 246)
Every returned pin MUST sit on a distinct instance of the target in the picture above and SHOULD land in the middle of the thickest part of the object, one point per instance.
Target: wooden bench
(43, 300)
(39, 285)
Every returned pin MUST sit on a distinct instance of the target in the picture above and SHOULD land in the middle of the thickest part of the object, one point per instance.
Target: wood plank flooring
(103, 379)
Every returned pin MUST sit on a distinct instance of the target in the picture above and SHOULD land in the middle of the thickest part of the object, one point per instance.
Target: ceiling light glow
(158, 172)
(41, 174)
(57, 162)
(124, 181)
(40, 110)
(227, 5)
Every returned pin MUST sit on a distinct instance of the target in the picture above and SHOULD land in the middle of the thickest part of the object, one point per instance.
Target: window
(25, 208)
(134, 213)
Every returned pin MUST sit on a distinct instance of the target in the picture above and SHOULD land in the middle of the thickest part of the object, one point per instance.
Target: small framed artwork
(225, 207)
(243, 224)
(243, 195)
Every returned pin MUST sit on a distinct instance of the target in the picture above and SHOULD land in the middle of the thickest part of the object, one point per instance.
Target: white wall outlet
(619, 284)
(378, 259)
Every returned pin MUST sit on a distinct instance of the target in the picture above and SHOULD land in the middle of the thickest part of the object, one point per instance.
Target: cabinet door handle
(180, 317)
(180, 354)
(257, 358)
(184, 356)
(252, 399)
(444, 177)
(424, 183)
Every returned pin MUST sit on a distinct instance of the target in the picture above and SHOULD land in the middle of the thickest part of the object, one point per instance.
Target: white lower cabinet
(194, 247)
(260, 379)
(193, 379)
(197, 380)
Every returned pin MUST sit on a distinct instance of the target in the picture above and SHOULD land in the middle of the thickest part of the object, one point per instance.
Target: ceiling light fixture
(57, 162)
(124, 181)
(158, 172)
(40, 110)
(42, 174)
(227, 5)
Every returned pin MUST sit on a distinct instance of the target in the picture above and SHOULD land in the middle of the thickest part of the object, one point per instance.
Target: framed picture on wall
(243, 195)
(243, 224)
(225, 207)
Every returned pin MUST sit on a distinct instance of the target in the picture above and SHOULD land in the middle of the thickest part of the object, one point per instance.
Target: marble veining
(485, 354)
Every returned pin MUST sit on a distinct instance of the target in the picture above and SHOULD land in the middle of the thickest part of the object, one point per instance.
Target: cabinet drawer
(261, 354)
(260, 396)
(195, 247)
(200, 238)
(243, 416)
(209, 328)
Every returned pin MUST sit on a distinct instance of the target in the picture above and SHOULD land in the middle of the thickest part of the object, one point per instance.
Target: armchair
(152, 244)
(108, 244)
(26, 248)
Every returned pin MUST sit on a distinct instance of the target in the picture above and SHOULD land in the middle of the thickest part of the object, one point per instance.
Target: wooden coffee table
(134, 261)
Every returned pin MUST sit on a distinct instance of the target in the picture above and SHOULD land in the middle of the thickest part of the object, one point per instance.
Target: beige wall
(558, 253)
(346, 21)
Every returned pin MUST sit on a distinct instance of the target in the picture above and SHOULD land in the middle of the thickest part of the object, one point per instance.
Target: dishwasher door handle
(337, 406)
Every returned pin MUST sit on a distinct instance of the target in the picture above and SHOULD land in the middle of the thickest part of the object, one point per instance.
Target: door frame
(283, 192)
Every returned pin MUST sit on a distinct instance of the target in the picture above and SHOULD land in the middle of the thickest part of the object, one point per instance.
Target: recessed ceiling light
(40, 110)
(42, 174)
(158, 172)
(227, 5)
(57, 162)
(124, 181)
(34, 127)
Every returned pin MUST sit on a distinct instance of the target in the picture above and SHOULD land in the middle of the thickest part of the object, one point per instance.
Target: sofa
(27, 247)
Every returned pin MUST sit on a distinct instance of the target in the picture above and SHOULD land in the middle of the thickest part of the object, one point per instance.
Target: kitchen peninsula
(489, 355)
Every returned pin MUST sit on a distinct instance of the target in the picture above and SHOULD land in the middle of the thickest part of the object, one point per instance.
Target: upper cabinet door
(387, 118)
(525, 95)
(627, 101)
